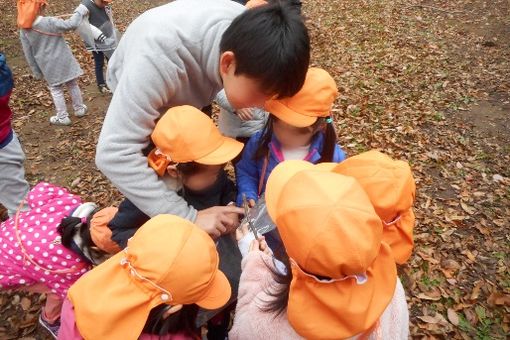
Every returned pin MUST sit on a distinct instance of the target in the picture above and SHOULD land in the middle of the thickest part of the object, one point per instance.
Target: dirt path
(424, 81)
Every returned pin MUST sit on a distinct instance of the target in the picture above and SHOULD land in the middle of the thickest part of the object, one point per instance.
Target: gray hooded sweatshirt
(168, 56)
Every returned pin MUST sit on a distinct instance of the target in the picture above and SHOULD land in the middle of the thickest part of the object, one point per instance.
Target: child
(391, 188)
(339, 280)
(191, 153)
(299, 127)
(39, 256)
(240, 124)
(160, 269)
(100, 36)
(13, 186)
(50, 57)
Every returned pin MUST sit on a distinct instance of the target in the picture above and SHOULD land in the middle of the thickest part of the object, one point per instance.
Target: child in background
(168, 269)
(39, 254)
(321, 290)
(13, 186)
(50, 58)
(239, 124)
(299, 127)
(99, 35)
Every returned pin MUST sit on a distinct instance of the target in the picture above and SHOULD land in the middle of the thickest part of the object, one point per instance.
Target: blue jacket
(6, 81)
(249, 171)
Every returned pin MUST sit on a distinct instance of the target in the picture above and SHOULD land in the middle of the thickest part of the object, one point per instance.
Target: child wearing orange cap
(391, 188)
(49, 56)
(339, 280)
(47, 248)
(190, 155)
(143, 287)
(299, 127)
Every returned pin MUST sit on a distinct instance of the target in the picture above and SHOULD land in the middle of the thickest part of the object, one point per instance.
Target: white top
(298, 153)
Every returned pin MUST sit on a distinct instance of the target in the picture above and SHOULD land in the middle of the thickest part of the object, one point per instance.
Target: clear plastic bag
(265, 226)
(259, 218)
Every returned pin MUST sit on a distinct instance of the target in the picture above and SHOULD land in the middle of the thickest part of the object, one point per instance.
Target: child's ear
(227, 61)
(172, 171)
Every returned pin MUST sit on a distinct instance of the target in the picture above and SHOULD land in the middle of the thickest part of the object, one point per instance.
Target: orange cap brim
(227, 151)
(218, 293)
(291, 117)
(120, 302)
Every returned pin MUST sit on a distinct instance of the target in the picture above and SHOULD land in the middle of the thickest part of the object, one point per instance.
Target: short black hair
(271, 44)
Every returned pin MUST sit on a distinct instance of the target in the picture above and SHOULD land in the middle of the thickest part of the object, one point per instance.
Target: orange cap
(186, 134)
(391, 188)
(255, 3)
(168, 260)
(28, 10)
(330, 230)
(100, 233)
(315, 99)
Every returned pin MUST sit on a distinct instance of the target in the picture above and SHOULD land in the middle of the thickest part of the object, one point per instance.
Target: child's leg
(76, 97)
(13, 186)
(53, 306)
(99, 64)
(61, 117)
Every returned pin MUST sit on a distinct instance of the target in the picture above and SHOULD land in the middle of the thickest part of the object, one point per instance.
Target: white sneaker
(81, 111)
(55, 120)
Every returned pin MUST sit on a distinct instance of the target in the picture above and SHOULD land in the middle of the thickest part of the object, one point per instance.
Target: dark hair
(69, 227)
(271, 44)
(320, 126)
(280, 295)
(182, 321)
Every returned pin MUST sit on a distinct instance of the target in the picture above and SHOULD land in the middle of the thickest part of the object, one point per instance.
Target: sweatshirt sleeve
(59, 25)
(129, 122)
(222, 101)
(29, 56)
(255, 277)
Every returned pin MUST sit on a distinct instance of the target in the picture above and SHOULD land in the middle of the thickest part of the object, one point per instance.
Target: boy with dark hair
(184, 52)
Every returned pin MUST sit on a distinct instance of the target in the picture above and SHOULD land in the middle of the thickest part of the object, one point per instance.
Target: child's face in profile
(290, 136)
(203, 179)
(242, 91)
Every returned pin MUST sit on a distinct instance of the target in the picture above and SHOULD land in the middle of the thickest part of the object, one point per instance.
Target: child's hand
(245, 114)
(216, 220)
(233, 227)
(246, 241)
(261, 245)
(251, 203)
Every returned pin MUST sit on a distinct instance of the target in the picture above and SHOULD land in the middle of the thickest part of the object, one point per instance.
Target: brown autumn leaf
(470, 210)
(475, 293)
(499, 299)
(25, 303)
(453, 317)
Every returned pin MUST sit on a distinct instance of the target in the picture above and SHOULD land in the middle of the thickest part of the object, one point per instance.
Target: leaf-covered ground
(424, 81)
